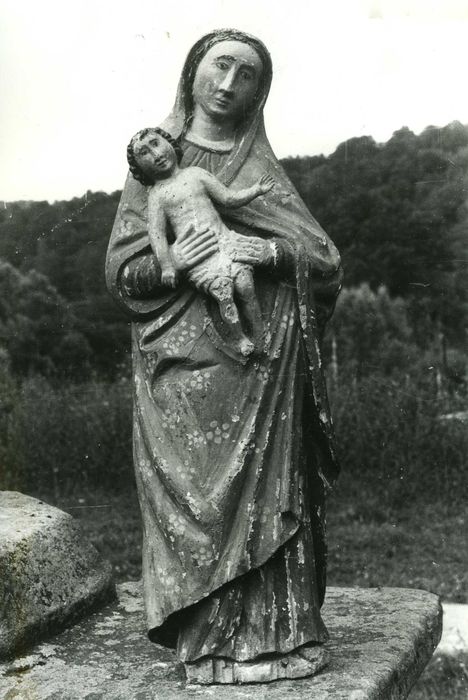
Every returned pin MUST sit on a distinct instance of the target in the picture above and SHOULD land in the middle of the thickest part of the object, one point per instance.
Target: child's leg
(222, 289)
(245, 290)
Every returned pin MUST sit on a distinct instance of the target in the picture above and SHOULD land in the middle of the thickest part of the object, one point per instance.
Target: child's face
(155, 156)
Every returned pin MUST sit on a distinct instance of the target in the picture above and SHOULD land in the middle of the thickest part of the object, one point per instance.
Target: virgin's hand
(253, 251)
(192, 248)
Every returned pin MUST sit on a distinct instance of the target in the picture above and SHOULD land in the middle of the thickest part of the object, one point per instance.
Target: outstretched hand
(265, 184)
(192, 247)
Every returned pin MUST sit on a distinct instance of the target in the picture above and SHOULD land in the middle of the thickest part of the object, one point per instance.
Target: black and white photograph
(233, 350)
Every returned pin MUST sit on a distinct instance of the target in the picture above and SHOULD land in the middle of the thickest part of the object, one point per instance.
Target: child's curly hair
(135, 169)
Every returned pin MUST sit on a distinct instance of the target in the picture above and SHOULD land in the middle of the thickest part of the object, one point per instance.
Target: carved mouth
(222, 101)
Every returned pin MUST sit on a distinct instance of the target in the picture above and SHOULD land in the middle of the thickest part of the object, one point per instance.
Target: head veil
(280, 214)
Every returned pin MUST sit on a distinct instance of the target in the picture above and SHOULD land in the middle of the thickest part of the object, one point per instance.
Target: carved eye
(245, 75)
(222, 65)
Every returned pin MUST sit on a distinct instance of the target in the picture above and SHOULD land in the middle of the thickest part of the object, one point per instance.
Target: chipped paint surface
(381, 639)
(220, 464)
(226, 503)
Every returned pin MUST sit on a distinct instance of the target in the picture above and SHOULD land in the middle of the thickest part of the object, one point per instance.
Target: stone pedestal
(50, 576)
(381, 639)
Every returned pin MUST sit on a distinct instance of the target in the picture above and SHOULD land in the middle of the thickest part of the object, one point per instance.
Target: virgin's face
(227, 80)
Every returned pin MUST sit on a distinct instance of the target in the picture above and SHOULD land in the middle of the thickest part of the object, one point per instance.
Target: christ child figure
(184, 199)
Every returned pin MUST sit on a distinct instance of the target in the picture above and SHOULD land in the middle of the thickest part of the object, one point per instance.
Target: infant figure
(184, 198)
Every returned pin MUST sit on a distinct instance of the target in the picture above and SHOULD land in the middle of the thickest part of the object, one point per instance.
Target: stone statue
(182, 198)
(233, 452)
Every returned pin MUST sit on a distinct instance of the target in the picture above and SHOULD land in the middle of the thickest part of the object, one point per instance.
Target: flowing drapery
(232, 455)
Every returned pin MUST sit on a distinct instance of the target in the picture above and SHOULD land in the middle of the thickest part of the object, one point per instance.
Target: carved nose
(227, 83)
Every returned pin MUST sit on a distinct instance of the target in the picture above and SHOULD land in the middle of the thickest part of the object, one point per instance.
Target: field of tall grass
(64, 440)
(398, 517)
(396, 447)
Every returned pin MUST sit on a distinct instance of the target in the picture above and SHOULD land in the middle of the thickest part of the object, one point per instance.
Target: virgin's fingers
(186, 234)
(206, 245)
(192, 235)
(203, 248)
(246, 259)
(252, 243)
(250, 250)
(193, 243)
(202, 256)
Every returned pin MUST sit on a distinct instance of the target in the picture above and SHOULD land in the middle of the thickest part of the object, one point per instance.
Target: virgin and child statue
(233, 440)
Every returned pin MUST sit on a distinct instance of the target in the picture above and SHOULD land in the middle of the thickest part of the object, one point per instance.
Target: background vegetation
(395, 353)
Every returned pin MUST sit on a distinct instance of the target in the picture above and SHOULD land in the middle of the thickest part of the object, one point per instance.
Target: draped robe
(232, 455)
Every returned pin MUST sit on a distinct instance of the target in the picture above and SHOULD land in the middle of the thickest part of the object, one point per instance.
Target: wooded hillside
(397, 212)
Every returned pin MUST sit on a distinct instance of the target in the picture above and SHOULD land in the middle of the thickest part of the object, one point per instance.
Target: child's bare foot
(245, 347)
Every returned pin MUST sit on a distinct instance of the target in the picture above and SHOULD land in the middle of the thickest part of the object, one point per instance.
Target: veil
(280, 214)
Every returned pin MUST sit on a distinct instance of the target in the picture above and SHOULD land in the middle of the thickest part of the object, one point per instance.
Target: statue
(182, 198)
(233, 451)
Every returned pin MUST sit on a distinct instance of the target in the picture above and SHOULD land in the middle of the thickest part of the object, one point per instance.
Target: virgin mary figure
(233, 455)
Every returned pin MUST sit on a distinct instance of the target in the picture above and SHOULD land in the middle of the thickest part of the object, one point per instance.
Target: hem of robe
(263, 656)
(168, 634)
(160, 630)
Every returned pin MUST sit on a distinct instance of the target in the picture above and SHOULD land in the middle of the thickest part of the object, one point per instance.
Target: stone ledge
(381, 639)
(50, 576)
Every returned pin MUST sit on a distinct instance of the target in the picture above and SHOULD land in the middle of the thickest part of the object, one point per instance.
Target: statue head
(152, 155)
(227, 73)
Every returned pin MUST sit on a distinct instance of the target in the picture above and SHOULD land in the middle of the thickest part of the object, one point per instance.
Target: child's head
(152, 154)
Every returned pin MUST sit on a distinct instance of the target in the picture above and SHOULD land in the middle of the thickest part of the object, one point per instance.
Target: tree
(372, 332)
(37, 329)
(397, 212)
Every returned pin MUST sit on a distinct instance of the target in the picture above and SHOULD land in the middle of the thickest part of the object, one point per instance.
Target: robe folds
(233, 456)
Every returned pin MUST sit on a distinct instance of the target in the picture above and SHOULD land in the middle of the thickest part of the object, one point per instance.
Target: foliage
(112, 523)
(391, 430)
(372, 333)
(66, 243)
(38, 332)
(65, 439)
(397, 212)
(10, 447)
(445, 677)
(69, 438)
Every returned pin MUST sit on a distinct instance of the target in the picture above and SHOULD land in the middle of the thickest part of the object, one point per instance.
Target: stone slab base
(381, 639)
(50, 576)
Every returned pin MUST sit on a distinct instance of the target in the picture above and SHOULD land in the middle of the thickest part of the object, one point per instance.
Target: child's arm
(158, 238)
(230, 198)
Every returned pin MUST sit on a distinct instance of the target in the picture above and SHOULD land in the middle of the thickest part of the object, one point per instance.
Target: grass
(398, 517)
(423, 546)
(112, 524)
(419, 547)
(444, 678)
